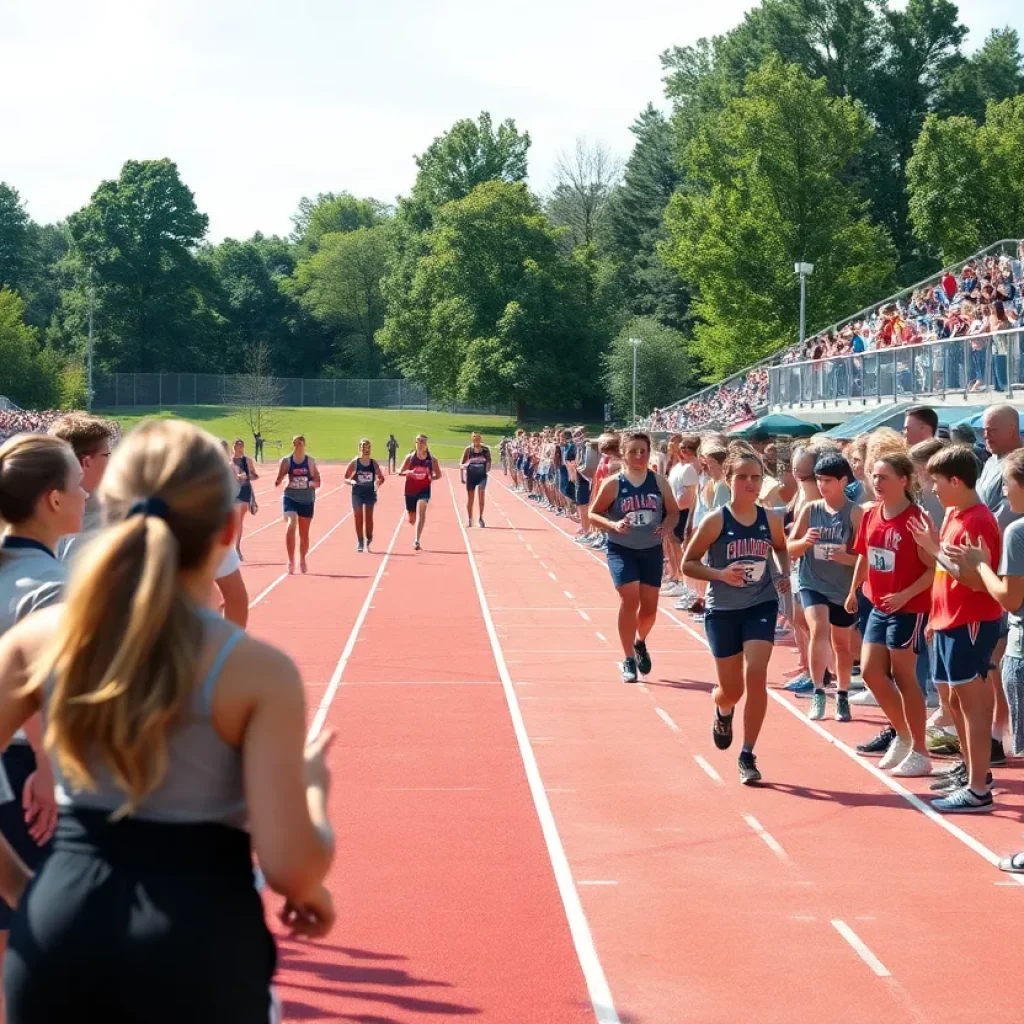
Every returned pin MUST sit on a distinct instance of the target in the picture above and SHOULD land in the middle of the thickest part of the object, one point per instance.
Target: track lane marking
(769, 840)
(860, 948)
(666, 718)
(708, 767)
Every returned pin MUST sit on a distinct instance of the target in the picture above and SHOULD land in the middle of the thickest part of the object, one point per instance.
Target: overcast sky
(263, 101)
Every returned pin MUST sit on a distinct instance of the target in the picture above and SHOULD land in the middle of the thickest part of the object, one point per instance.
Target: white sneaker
(896, 754)
(913, 766)
(863, 697)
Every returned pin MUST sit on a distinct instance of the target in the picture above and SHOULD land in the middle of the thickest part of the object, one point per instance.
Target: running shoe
(291, 568)
(865, 699)
(998, 758)
(643, 658)
(817, 711)
(964, 801)
(955, 780)
(843, 713)
(748, 768)
(369, 541)
(898, 750)
(913, 766)
(303, 568)
(721, 730)
(480, 523)
(359, 547)
(880, 744)
(1013, 864)
(416, 545)
(931, 700)
(629, 670)
(799, 684)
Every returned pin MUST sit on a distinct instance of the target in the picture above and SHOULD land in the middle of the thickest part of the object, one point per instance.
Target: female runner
(177, 746)
(742, 600)
(245, 473)
(637, 509)
(297, 504)
(364, 476)
(420, 470)
(476, 464)
(897, 580)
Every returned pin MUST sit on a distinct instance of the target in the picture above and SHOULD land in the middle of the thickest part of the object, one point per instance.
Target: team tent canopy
(776, 424)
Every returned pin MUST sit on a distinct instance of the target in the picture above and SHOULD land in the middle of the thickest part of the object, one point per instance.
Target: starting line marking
(593, 973)
(769, 840)
(667, 719)
(860, 948)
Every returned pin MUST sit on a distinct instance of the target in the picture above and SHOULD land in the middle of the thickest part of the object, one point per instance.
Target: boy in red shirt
(965, 625)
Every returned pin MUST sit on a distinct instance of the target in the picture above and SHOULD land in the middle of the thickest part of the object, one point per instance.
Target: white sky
(263, 101)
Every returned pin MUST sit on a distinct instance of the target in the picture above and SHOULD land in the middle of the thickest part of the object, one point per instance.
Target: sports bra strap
(217, 667)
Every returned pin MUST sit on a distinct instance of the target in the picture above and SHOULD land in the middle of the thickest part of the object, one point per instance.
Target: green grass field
(335, 433)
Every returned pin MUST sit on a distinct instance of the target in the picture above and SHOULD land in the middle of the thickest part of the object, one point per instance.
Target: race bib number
(420, 472)
(825, 552)
(300, 483)
(641, 517)
(753, 572)
(881, 559)
(364, 477)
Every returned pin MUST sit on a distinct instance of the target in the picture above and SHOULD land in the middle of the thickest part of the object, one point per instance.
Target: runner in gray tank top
(821, 539)
(733, 549)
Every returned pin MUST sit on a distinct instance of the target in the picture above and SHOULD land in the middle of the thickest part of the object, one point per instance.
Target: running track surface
(523, 838)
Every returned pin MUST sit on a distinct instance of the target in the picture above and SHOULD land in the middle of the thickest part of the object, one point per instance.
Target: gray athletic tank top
(751, 545)
(817, 571)
(203, 782)
(644, 507)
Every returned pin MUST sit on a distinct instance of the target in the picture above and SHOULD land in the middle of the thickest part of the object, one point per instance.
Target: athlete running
(420, 470)
(637, 509)
(299, 494)
(731, 550)
(169, 781)
(245, 473)
(476, 464)
(364, 476)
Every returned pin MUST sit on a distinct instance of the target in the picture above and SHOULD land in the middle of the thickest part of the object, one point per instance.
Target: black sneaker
(629, 670)
(643, 659)
(748, 768)
(880, 744)
(956, 775)
(721, 730)
(998, 758)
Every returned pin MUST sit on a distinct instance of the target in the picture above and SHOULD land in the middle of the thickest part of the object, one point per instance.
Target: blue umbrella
(777, 424)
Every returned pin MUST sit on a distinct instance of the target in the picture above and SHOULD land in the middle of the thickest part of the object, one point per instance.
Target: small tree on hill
(256, 394)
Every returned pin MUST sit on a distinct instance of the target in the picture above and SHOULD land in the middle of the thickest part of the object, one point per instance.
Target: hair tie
(149, 507)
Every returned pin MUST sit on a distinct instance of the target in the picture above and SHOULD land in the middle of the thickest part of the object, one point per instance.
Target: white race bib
(881, 559)
(824, 552)
(300, 483)
(641, 517)
(753, 572)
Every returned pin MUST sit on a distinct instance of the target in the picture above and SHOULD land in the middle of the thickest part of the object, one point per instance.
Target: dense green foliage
(858, 135)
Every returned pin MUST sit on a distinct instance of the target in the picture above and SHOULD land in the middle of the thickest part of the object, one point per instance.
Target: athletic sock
(819, 689)
(746, 749)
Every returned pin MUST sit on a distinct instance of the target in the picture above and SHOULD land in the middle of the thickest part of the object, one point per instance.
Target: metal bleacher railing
(169, 390)
(776, 393)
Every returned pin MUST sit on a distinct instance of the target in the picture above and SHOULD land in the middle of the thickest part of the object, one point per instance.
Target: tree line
(847, 133)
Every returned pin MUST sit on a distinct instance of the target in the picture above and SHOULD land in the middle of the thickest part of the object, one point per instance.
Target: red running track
(828, 888)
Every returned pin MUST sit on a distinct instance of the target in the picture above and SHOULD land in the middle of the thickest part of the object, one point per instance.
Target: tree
(139, 235)
(994, 72)
(636, 213)
(340, 285)
(584, 182)
(664, 368)
(770, 187)
(966, 181)
(256, 393)
(495, 312)
(14, 223)
(30, 378)
(332, 213)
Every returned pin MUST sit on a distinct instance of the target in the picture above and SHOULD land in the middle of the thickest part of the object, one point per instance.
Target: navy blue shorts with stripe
(965, 653)
(896, 630)
(728, 630)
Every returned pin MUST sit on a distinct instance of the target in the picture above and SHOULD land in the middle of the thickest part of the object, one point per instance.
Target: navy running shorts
(838, 616)
(582, 491)
(635, 565)
(473, 483)
(864, 607)
(729, 629)
(896, 630)
(680, 528)
(360, 500)
(19, 763)
(412, 500)
(965, 653)
(244, 495)
(291, 507)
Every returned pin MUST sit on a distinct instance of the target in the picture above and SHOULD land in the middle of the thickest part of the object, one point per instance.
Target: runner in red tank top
(420, 470)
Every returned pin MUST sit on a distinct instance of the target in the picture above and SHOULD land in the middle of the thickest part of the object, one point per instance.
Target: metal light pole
(88, 350)
(635, 342)
(804, 270)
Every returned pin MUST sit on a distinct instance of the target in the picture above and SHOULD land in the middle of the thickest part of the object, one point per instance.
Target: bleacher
(952, 338)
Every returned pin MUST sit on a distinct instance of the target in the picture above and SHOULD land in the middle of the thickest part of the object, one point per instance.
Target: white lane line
(769, 840)
(860, 949)
(583, 615)
(335, 681)
(552, 575)
(706, 765)
(568, 595)
(583, 940)
(667, 719)
(542, 565)
(602, 638)
(263, 593)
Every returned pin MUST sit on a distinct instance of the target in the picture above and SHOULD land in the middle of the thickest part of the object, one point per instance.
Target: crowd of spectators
(21, 421)
(981, 296)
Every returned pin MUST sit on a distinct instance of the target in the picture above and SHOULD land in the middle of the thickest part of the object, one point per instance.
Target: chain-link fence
(171, 390)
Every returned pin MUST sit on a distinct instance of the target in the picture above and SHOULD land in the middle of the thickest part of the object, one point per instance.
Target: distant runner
(420, 470)
(476, 464)
(392, 447)
(364, 477)
(299, 496)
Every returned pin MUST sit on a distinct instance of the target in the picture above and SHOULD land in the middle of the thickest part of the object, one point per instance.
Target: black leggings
(137, 921)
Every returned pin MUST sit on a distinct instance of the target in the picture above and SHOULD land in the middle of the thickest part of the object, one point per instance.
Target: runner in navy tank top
(476, 464)
(420, 470)
(364, 476)
(636, 508)
(732, 549)
(245, 473)
(298, 501)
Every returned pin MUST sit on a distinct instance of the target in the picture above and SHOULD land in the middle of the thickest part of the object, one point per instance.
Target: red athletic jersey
(892, 556)
(419, 474)
(953, 603)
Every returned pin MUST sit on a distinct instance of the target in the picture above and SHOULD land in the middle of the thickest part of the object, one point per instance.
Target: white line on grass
(583, 940)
